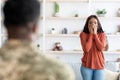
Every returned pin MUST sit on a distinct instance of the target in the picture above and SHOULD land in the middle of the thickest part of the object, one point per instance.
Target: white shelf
(105, 0)
(62, 35)
(72, 35)
(1, 18)
(78, 18)
(67, 0)
(65, 18)
(112, 52)
(109, 18)
(113, 35)
(79, 52)
(63, 52)
(82, 0)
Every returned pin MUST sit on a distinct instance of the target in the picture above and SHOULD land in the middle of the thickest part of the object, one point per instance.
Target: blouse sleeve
(100, 42)
(86, 42)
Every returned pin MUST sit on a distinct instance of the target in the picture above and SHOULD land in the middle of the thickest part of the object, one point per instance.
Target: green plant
(103, 11)
(76, 15)
(53, 28)
(56, 7)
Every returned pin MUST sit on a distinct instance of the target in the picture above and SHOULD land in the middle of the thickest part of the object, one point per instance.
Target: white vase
(53, 31)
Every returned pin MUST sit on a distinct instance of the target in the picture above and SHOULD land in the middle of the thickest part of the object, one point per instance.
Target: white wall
(69, 9)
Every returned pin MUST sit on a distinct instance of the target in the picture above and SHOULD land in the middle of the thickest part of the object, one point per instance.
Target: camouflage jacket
(20, 60)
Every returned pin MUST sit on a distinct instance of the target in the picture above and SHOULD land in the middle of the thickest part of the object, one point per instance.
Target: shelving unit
(105, 0)
(83, 0)
(66, 35)
(68, 18)
(65, 18)
(78, 18)
(67, 0)
(62, 35)
(64, 52)
(117, 18)
(114, 35)
(73, 35)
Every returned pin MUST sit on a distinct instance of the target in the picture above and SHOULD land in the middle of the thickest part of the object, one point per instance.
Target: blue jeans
(92, 74)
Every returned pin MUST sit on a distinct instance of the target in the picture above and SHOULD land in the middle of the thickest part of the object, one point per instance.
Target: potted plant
(101, 13)
(76, 15)
(38, 45)
(56, 9)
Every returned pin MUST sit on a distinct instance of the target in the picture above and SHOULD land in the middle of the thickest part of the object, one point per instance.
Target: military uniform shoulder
(60, 70)
(35, 65)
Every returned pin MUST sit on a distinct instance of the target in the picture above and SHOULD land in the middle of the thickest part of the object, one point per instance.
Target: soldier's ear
(35, 28)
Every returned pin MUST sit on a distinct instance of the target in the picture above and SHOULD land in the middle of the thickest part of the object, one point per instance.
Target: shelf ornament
(101, 13)
(57, 8)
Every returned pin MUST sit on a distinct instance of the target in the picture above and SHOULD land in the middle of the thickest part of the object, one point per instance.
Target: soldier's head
(21, 18)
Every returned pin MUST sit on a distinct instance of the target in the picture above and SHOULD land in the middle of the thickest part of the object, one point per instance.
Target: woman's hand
(94, 29)
(91, 29)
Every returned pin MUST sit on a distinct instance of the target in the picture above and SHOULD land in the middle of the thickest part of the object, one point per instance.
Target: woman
(93, 40)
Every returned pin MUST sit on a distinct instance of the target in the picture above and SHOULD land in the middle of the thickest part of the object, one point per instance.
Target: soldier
(19, 60)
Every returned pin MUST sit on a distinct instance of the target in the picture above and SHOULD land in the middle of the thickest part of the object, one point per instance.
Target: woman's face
(93, 23)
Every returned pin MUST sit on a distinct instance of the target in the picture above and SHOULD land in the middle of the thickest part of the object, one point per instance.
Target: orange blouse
(93, 45)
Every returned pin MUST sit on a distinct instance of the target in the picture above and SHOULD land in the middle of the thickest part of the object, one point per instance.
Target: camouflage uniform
(19, 60)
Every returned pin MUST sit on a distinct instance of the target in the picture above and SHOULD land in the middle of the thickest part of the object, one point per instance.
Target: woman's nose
(93, 24)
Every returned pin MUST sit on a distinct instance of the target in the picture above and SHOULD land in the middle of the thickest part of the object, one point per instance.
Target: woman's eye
(90, 23)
